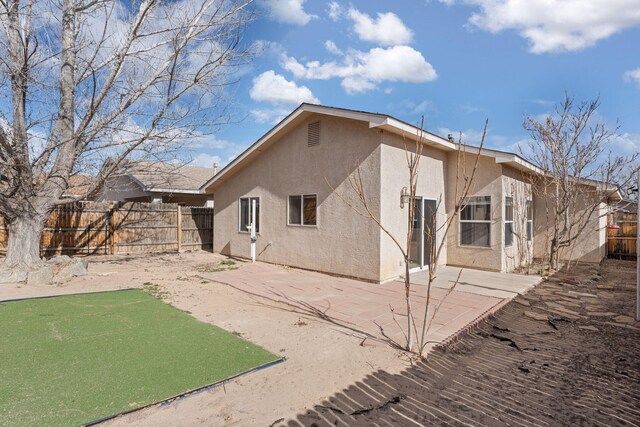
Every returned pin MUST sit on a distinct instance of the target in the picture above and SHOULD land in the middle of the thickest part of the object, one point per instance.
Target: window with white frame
(245, 213)
(303, 209)
(529, 205)
(508, 221)
(475, 222)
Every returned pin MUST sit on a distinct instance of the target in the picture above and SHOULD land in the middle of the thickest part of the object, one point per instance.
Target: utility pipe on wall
(253, 231)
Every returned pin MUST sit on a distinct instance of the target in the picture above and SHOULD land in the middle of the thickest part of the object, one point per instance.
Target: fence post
(113, 226)
(179, 225)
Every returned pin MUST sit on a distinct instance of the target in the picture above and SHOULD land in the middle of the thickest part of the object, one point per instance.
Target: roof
(163, 177)
(79, 185)
(375, 120)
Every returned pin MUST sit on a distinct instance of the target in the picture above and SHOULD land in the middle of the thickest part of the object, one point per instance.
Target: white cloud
(274, 88)
(272, 115)
(422, 107)
(474, 137)
(633, 76)
(205, 160)
(362, 71)
(469, 136)
(387, 30)
(288, 11)
(626, 143)
(556, 25)
(335, 10)
(332, 48)
(411, 109)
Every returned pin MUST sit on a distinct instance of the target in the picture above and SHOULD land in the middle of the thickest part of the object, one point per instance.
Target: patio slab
(479, 282)
(372, 310)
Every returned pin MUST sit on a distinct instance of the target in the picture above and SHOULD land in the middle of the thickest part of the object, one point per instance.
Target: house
(157, 182)
(300, 176)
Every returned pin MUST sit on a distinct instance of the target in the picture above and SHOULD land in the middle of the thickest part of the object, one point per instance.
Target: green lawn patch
(73, 359)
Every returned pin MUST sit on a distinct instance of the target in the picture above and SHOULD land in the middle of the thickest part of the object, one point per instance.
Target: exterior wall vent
(313, 136)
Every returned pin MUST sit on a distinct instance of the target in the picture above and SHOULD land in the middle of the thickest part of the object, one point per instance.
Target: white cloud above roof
(363, 71)
(274, 88)
(386, 30)
(626, 143)
(288, 11)
(332, 48)
(335, 10)
(633, 76)
(556, 25)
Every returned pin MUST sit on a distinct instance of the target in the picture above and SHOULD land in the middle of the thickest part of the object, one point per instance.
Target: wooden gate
(622, 241)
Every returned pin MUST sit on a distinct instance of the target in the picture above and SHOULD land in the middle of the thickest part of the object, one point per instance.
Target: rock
(41, 276)
(601, 313)
(572, 315)
(536, 316)
(583, 294)
(56, 270)
(624, 319)
(11, 276)
(522, 302)
(75, 267)
(62, 259)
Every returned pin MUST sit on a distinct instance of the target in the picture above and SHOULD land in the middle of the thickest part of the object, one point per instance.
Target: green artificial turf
(73, 359)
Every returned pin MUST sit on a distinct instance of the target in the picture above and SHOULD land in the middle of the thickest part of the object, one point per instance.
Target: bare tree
(464, 185)
(415, 337)
(579, 172)
(86, 80)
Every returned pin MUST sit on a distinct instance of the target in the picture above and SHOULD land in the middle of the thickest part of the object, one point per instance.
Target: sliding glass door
(423, 238)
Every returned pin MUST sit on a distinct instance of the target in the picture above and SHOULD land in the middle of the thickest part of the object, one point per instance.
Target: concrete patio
(479, 282)
(378, 312)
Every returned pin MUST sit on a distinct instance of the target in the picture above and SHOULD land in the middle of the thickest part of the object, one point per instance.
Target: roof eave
(174, 190)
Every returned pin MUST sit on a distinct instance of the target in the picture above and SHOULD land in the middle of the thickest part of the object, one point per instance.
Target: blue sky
(457, 62)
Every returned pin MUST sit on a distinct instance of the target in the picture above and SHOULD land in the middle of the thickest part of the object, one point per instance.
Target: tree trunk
(407, 295)
(23, 248)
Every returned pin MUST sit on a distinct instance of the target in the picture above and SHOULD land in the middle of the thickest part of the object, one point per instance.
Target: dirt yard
(321, 358)
(566, 353)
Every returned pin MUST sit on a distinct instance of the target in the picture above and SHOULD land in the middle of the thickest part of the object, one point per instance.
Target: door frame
(423, 266)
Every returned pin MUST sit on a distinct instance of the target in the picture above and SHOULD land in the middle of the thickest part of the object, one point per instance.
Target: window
(529, 205)
(508, 221)
(303, 209)
(245, 213)
(475, 222)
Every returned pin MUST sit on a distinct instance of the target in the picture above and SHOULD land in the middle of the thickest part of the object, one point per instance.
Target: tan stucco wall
(343, 242)
(487, 182)
(395, 175)
(590, 246)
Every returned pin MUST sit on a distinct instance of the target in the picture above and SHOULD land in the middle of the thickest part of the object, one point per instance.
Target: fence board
(197, 227)
(622, 242)
(106, 228)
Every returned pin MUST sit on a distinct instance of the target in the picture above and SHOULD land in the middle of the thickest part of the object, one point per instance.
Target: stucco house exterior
(157, 182)
(300, 175)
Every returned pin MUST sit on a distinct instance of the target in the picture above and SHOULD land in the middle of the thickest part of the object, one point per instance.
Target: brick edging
(461, 333)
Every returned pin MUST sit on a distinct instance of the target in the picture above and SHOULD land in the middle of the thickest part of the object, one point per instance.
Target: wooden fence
(108, 228)
(622, 242)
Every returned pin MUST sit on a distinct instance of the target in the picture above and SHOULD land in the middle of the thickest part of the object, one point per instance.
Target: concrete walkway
(377, 312)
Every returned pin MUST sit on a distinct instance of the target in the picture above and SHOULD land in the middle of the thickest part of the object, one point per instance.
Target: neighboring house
(157, 182)
(626, 206)
(299, 174)
(79, 186)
